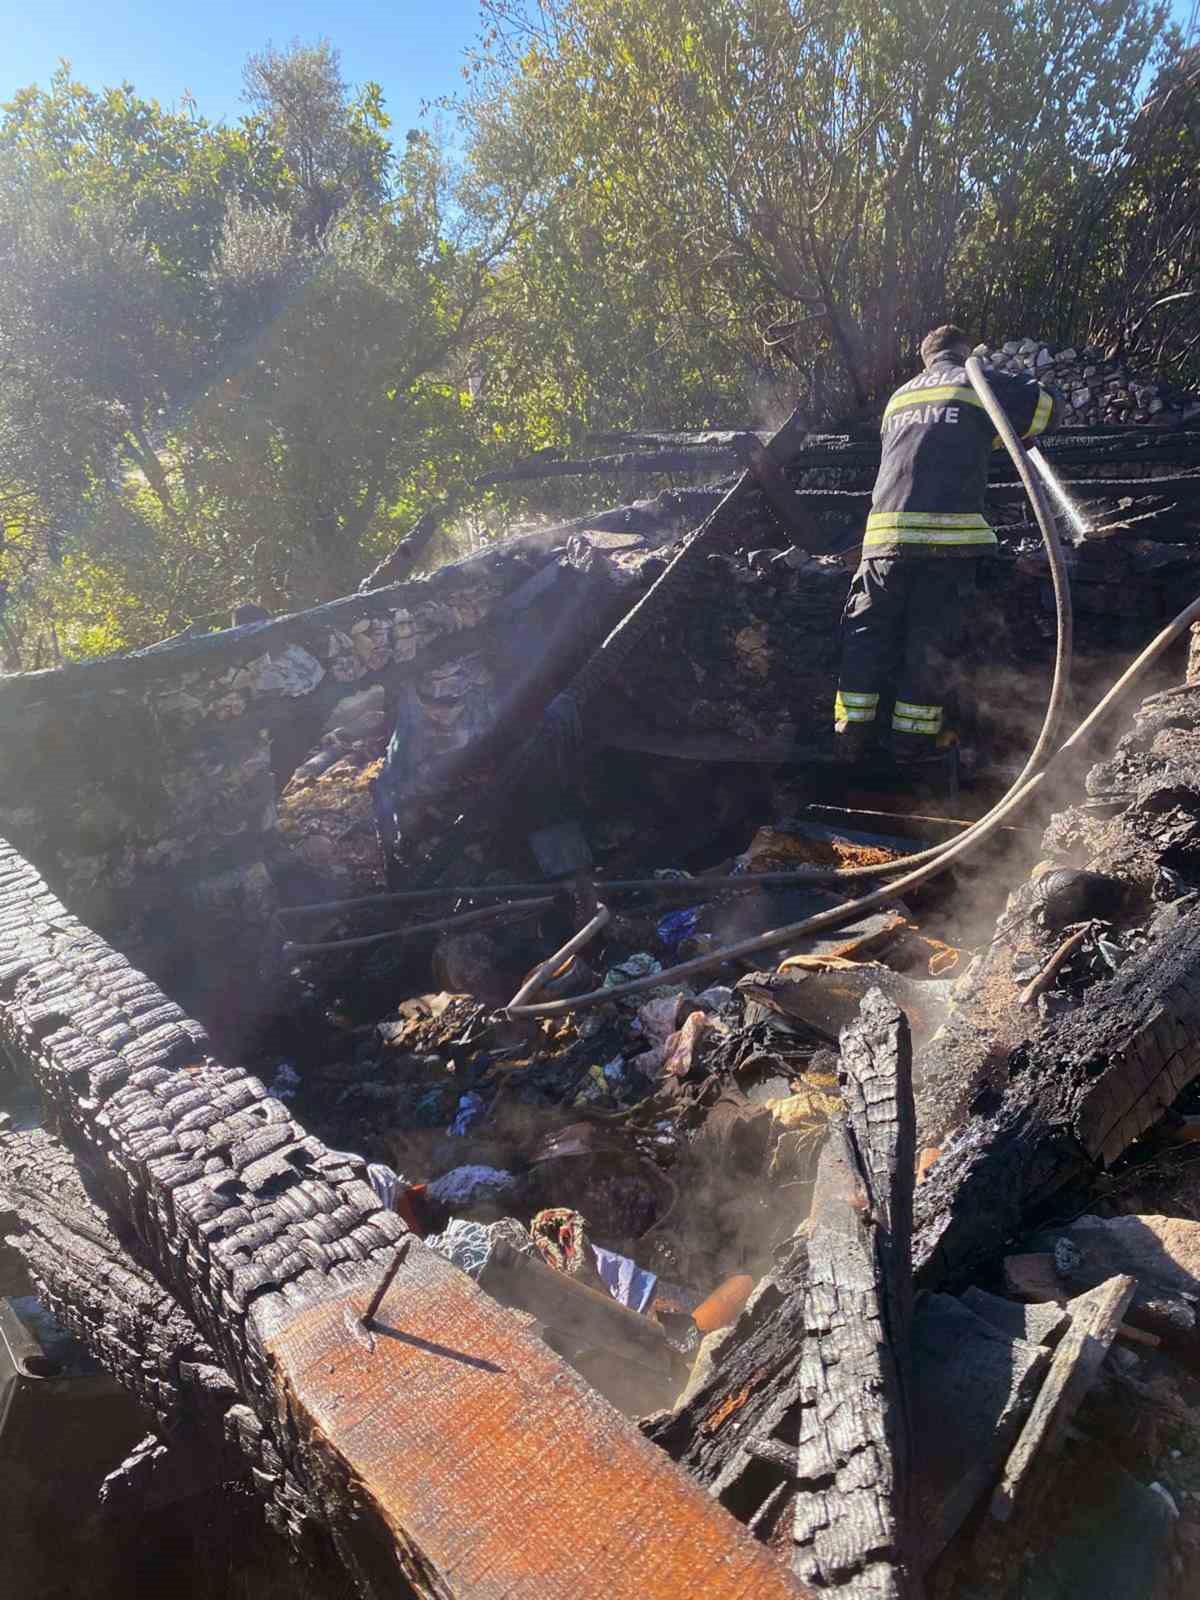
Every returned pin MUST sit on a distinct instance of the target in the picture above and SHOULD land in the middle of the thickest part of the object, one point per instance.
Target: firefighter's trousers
(902, 620)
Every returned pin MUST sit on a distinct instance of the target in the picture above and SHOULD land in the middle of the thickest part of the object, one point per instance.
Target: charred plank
(102, 1293)
(1095, 1318)
(852, 1509)
(973, 1387)
(1079, 1096)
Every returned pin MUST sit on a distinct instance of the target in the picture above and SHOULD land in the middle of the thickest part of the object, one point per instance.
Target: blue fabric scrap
(677, 925)
(632, 1285)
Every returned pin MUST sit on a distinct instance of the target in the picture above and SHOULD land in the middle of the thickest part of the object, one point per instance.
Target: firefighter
(925, 533)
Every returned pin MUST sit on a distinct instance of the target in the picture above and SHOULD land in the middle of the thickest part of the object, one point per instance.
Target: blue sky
(166, 47)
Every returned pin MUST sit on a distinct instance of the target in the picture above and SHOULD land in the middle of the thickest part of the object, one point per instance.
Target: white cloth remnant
(469, 1244)
(465, 1186)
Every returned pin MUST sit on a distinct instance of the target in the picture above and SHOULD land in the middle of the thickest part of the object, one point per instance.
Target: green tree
(110, 210)
(757, 182)
(1145, 299)
(332, 145)
(230, 374)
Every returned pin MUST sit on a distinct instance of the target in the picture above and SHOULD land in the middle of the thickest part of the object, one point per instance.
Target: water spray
(1054, 483)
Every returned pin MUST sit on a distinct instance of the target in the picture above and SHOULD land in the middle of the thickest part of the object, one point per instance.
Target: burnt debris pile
(867, 1265)
(931, 1172)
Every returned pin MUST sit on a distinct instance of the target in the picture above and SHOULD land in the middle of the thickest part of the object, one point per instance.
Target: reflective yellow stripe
(927, 519)
(847, 709)
(925, 531)
(1041, 415)
(848, 697)
(908, 725)
(937, 396)
(905, 708)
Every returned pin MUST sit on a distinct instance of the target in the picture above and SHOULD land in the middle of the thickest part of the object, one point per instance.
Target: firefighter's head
(945, 341)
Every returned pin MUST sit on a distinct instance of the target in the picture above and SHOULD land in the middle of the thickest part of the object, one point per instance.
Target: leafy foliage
(240, 361)
(231, 355)
(747, 183)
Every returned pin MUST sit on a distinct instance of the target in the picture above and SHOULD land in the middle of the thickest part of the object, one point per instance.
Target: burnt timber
(854, 1461)
(756, 615)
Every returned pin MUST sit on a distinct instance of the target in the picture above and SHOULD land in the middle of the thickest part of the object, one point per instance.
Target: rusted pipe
(550, 966)
(465, 919)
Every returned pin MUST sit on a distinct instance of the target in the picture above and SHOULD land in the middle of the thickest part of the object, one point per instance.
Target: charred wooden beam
(1069, 444)
(851, 1526)
(764, 462)
(1095, 1319)
(649, 439)
(801, 1424)
(399, 564)
(691, 458)
(1140, 445)
(736, 1429)
(1039, 1487)
(99, 1290)
(1080, 1094)
(1060, 1099)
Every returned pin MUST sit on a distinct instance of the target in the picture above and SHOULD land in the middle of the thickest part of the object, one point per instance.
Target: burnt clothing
(900, 629)
(937, 440)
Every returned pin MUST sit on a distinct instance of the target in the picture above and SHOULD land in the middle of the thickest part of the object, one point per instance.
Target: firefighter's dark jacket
(937, 440)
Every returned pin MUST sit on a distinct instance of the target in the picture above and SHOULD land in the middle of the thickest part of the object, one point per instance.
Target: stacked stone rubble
(1095, 390)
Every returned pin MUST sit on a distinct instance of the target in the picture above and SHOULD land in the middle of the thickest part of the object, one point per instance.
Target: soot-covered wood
(851, 1515)
(1028, 1105)
(272, 1244)
(1079, 1094)
(204, 1201)
(973, 1387)
(98, 1289)
(1095, 1318)
(801, 1429)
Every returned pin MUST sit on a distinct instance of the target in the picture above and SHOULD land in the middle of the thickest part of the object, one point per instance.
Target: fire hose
(919, 868)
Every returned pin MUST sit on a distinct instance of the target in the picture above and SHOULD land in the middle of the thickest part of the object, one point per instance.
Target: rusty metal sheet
(495, 1464)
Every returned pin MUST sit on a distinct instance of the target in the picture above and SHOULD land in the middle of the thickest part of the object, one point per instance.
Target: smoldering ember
(441, 1153)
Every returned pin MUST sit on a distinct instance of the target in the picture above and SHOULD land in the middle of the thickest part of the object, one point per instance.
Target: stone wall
(143, 786)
